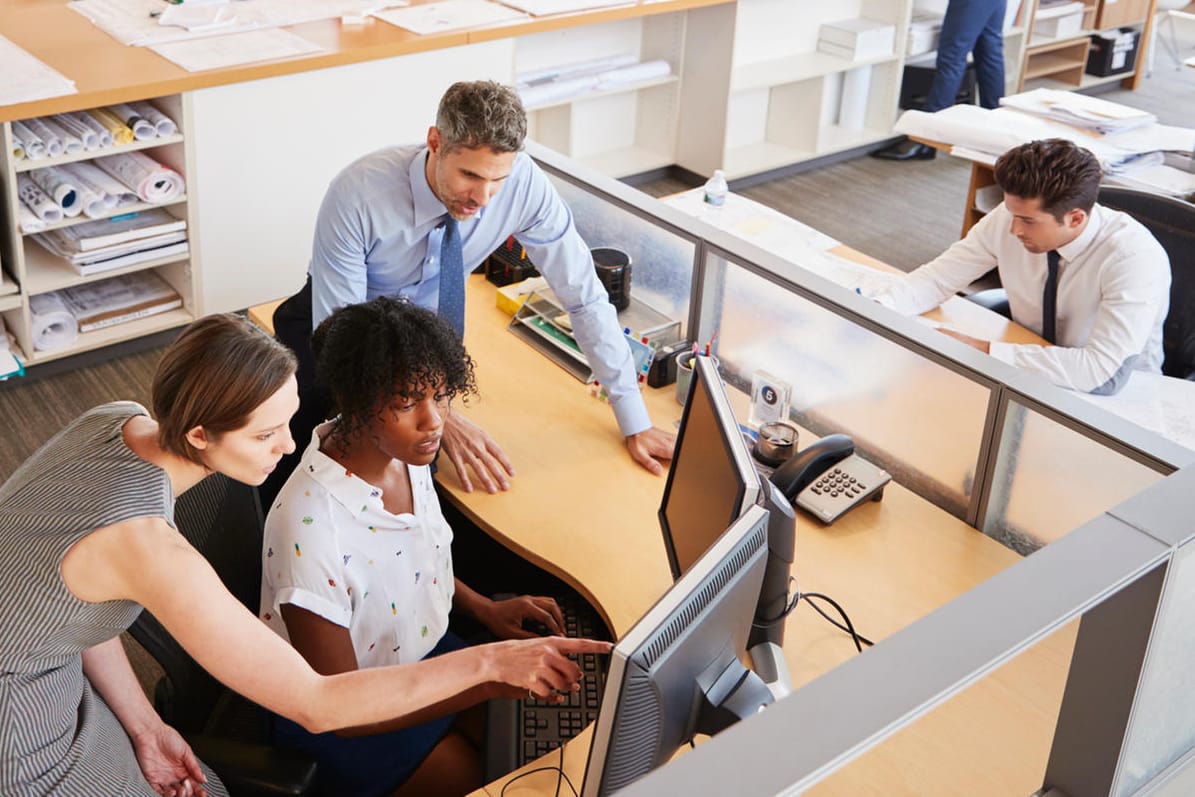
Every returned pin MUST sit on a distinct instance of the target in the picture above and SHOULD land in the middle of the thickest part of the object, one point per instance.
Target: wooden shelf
(628, 161)
(10, 302)
(116, 333)
(26, 165)
(47, 272)
(1063, 60)
(794, 68)
(762, 156)
(593, 95)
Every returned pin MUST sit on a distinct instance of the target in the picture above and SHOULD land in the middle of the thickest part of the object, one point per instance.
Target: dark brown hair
(1059, 173)
(220, 369)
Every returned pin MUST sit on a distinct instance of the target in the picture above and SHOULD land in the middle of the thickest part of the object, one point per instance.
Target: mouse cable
(561, 776)
(856, 637)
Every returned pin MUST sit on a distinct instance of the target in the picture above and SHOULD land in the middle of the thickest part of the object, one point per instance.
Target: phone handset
(805, 466)
(829, 478)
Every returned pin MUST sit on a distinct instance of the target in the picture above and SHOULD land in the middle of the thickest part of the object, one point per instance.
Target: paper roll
(18, 150)
(86, 119)
(142, 128)
(35, 148)
(121, 134)
(54, 144)
(161, 122)
(88, 137)
(71, 144)
(152, 181)
(92, 197)
(27, 220)
(53, 326)
(648, 70)
(115, 192)
(37, 200)
(58, 185)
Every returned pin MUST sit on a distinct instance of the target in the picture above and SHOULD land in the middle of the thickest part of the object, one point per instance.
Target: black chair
(1172, 223)
(223, 520)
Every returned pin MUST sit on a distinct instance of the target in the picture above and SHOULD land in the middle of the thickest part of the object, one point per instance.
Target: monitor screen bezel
(705, 376)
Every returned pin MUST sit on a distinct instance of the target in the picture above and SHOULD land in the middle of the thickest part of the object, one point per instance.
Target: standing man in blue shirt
(391, 217)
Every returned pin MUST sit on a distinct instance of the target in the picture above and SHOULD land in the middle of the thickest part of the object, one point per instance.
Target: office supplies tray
(542, 322)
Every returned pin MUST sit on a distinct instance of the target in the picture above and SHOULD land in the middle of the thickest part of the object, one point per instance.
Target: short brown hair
(220, 369)
(481, 113)
(1059, 173)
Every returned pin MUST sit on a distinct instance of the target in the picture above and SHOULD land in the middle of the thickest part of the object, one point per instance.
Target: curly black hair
(369, 354)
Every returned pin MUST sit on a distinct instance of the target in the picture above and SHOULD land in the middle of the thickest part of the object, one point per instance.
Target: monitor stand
(767, 637)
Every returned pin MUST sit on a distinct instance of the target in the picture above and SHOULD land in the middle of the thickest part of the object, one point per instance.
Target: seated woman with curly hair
(357, 564)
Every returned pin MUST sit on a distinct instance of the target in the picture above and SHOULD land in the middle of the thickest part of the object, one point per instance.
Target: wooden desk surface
(582, 509)
(106, 71)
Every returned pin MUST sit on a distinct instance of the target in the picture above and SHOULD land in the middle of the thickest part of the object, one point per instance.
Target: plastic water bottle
(715, 189)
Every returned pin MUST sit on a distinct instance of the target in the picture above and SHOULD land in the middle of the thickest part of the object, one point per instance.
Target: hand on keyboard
(521, 617)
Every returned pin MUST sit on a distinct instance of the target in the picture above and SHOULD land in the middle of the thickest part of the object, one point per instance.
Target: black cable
(561, 776)
(858, 638)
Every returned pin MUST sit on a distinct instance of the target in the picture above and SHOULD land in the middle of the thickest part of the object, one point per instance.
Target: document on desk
(1159, 403)
(1079, 110)
(218, 52)
(449, 15)
(541, 8)
(27, 78)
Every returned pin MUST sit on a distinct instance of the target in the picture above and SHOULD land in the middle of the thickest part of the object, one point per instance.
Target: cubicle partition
(1097, 506)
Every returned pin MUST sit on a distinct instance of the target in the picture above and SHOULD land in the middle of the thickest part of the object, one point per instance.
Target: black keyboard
(520, 731)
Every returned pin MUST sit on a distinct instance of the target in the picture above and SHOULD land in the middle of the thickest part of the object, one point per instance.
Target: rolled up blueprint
(71, 144)
(161, 122)
(535, 77)
(53, 326)
(546, 93)
(37, 200)
(92, 196)
(28, 221)
(114, 191)
(142, 128)
(84, 118)
(18, 150)
(54, 144)
(58, 185)
(121, 133)
(637, 73)
(35, 148)
(152, 181)
(71, 124)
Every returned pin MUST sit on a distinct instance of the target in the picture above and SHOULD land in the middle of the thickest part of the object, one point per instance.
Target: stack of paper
(114, 301)
(26, 78)
(1080, 110)
(100, 246)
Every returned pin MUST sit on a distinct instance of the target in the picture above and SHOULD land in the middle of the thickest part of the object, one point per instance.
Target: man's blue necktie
(451, 306)
(1049, 298)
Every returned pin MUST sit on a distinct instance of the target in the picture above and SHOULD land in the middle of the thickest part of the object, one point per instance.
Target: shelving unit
(1062, 62)
(32, 270)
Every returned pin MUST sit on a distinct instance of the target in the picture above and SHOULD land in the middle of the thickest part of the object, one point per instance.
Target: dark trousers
(976, 27)
(292, 326)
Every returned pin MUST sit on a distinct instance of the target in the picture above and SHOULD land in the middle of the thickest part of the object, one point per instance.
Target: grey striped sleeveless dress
(57, 735)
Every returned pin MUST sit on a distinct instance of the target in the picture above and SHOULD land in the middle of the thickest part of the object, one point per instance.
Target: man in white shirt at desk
(412, 221)
(1089, 279)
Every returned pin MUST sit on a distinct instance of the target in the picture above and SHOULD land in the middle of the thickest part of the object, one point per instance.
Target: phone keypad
(842, 487)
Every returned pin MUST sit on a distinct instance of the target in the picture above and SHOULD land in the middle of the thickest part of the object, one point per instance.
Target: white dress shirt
(1113, 294)
(330, 547)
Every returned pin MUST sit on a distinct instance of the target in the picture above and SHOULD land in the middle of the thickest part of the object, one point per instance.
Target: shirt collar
(352, 492)
(1075, 248)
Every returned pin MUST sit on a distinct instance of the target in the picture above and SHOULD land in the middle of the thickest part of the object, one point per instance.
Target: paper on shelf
(26, 78)
(116, 192)
(84, 118)
(96, 200)
(162, 123)
(51, 323)
(153, 182)
(238, 48)
(590, 67)
(41, 204)
(28, 220)
(59, 186)
(448, 15)
(96, 305)
(54, 143)
(34, 147)
(142, 128)
(121, 134)
(71, 124)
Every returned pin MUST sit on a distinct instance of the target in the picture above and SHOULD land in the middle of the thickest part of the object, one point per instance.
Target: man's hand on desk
(468, 447)
(975, 343)
(651, 445)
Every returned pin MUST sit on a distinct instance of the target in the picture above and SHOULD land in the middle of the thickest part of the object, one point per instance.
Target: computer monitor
(711, 481)
(677, 672)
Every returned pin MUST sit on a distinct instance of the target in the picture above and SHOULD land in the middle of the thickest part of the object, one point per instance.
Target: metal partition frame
(1117, 572)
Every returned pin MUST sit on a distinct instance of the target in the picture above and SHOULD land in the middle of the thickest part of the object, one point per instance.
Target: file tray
(543, 323)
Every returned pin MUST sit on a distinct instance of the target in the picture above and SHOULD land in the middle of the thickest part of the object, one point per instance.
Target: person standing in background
(970, 26)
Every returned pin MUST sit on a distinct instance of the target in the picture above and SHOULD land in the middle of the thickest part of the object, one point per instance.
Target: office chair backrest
(223, 520)
(1172, 222)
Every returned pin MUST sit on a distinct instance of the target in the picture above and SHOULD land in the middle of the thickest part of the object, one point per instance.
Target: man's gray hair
(481, 113)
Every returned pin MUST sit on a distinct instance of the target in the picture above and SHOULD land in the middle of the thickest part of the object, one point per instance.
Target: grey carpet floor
(903, 213)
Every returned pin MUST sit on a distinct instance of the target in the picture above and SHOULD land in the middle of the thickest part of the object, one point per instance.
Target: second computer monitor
(711, 480)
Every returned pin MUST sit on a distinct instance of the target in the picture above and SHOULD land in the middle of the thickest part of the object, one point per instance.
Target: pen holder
(776, 443)
(613, 268)
(684, 375)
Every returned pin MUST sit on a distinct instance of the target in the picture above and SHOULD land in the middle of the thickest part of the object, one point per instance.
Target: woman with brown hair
(86, 541)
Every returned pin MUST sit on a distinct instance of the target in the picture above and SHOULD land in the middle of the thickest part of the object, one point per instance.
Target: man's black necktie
(451, 304)
(1049, 298)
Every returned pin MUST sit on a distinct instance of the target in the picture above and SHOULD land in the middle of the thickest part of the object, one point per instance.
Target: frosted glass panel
(1050, 479)
(921, 421)
(661, 262)
(1163, 726)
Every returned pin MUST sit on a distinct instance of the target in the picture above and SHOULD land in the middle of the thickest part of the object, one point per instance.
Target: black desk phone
(828, 478)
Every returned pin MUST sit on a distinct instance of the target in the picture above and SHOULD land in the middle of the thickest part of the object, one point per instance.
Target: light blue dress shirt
(379, 231)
